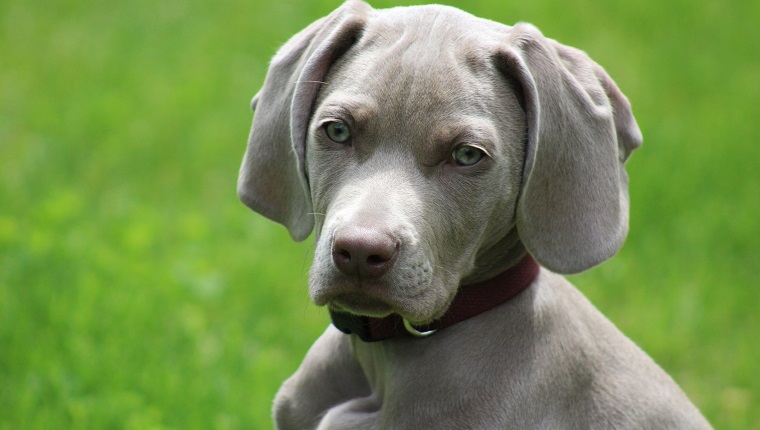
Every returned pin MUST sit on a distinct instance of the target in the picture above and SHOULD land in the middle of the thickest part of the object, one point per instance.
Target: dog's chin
(362, 305)
(419, 302)
(359, 304)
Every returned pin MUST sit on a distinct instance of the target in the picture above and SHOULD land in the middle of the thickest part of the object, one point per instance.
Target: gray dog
(450, 166)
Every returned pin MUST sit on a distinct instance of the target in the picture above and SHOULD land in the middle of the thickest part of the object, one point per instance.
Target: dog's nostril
(375, 260)
(344, 255)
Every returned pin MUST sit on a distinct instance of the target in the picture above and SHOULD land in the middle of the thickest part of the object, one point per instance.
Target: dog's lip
(361, 304)
(417, 303)
(352, 291)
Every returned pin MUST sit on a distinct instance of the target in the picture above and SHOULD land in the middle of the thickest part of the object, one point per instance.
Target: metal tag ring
(414, 332)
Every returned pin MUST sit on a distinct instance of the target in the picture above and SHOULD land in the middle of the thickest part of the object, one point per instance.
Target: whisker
(445, 270)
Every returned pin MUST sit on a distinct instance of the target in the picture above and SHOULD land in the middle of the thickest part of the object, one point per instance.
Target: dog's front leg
(329, 378)
(355, 414)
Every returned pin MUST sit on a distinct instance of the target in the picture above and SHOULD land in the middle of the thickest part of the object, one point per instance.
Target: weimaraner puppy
(450, 167)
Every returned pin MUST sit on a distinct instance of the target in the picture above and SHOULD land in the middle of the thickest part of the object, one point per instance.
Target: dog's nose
(364, 252)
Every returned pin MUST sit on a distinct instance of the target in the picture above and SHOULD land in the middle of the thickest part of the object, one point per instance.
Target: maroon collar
(471, 300)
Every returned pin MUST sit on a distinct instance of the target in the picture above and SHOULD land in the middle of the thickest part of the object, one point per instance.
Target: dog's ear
(572, 212)
(272, 178)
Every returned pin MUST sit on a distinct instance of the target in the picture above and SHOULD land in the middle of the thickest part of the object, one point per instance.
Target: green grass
(137, 292)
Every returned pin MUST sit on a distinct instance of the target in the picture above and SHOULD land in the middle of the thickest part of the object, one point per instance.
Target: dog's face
(414, 166)
(428, 148)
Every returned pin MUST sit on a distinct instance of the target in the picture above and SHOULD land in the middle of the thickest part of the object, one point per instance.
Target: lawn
(136, 291)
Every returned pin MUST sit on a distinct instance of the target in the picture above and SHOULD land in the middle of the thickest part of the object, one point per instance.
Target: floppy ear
(572, 212)
(272, 178)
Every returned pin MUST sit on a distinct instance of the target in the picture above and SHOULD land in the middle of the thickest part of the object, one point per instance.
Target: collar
(471, 300)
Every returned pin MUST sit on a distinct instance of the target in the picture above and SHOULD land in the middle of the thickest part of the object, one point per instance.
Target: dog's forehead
(422, 64)
(427, 38)
(431, 21)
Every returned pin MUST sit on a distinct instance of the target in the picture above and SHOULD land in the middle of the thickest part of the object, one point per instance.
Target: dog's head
(428, 148)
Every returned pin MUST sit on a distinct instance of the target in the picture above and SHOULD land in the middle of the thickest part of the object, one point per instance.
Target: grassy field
(136, 292)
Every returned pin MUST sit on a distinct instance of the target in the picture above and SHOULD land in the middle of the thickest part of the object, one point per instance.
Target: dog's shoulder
(608, 370)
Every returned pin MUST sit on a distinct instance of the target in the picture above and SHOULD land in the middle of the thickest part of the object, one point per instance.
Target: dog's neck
(493, 260)
(471, 300)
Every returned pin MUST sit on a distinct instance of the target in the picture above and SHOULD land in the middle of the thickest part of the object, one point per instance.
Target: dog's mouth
(361, 304)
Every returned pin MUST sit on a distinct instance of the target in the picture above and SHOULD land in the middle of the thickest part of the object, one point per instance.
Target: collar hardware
(414, 332)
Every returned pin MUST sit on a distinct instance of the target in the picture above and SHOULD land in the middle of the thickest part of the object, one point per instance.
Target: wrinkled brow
(355, 108)
(469, 129)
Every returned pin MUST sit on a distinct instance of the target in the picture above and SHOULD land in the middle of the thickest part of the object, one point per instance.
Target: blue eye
(338, 132)
(467, 155)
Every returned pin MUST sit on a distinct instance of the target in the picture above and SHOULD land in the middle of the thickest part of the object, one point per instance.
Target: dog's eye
(467, 155)
(338, 132)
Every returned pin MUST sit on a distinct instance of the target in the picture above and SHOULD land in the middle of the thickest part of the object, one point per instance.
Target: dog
(451, 168)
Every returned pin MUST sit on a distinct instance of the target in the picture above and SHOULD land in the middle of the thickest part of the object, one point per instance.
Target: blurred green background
(137, 292)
